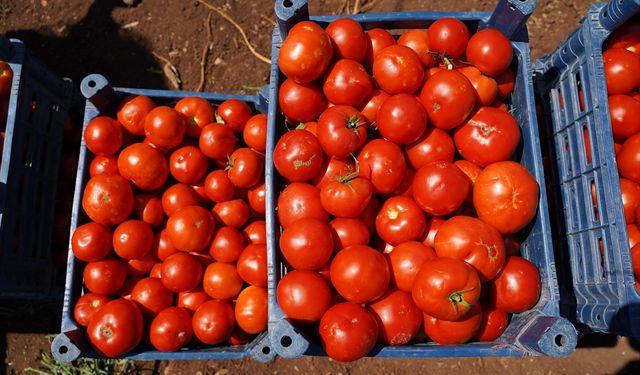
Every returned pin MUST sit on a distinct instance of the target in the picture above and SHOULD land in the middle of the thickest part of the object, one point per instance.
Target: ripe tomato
(151, 296)
(190, 228)
(107, 199)
(448, 36)
(298, 155)
(633, 232)
(307, 244)
(306, 52)
(162, 246)
(188, 164)
(505, 196)
(626, 36)
(303, 296)
(233, 213)
(103, 136)
(490, 51)
(116, 328)
(368, 216)
(235, 113)
(191, 300)
(405, 261)
(331, 169)
(402, 119)
(446, 288)
(178, 196)
(217, 141)
(517, 286)
(486, 87)
(149, 209)
(346, 196)
(433, 145)
(221, 281)
(382, 162)
(348, 39)
(198, 113)
(181, 272)
(255, 132)
(251, 310)
(301, 102)
(622, 110)
(171, 329)
(398, 317)
(433, 224)
(628, 159)
(252, 265)
(227, 245)
(341, 131)
(255, 233)
(346, 83)
(245, 167)
(132, 111)
(142, 266)
(506, 82)
(103, 164)
(105, 276)
(494, 322)
(471, 170)
(298, 201)
(347, 232)
(400, 220)
(132, 239)
(213, 322)
(239, 337)
(164, 127)
(406, 186)
(440, 187)
(218, 187)
(377, 40)
(359, 273)
(144, 166)
(449, 98)
(621, 70)
(454, 332)
(371, 105)
(348, 331)
(398, 69)
(87, 306)
(91, 242)
(635, 259)
(257, 198)
(630, 192)
(418, 41)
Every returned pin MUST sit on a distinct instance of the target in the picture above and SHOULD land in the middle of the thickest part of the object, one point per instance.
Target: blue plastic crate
(600, 294)
(38, 108)
(72, 342)
(540, 331)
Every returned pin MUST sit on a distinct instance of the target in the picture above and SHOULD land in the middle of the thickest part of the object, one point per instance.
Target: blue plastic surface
(72, 342)
(596, 266)
(38, 107)
(540, 331)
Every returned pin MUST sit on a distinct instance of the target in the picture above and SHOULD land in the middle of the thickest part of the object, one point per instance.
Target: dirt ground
(129, 46)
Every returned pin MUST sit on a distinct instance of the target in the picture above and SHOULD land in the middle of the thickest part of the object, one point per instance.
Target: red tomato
(505, 196)
(517, 286)
(626, 36)
(227, 245)
(621, 70)
(454, 332)
(303, 296)
(512, 244)
(377, 40)
(218, 187)
(91, 242)
(368, 216)
(471, 170)
(188, 164)
(398, 69)
(418, 41)
(213, 322)
(252, 265)
(331, 169)
(198, 113)
(144, 166)
(633, 232)
(506, 82)
(406, 186)
(400, 220)
(164, 127)
(433, 145)
(181, 272)
(405, 261)
(149, 209)
(449, 98)
(221, 281)
(398, 317)
(346, 196)
(448, 36)
(127, 287)
(171, 329)
(298, 201)
(103, 136)
(347, 232)
(217, 141)
(346, 83)
(348, 39)
(245, 167)
(306, 52)
(628, 159)
(494, 322)
(103, 164)
(402, 119)
(151, 296)
(440, 187)
(234, 113)
(382, 162)
(132, 239)
(490, 51)
(255, 233)
(105, 276)
(162, 246)
(234, 213)
(178, 196)
(635, 259)
(298, 155)
(239, 337)
(251, 310)
(446, 288)
(371, 105)
(190, 228)
(348, 331)
(255, 132)
(87, 306)
(342, 130)
(190, 301)
(360, 274)
(301, 102)
(132, 112)
(107, 199)
(310, 126)
(257, 198)
(623, 110)
(630, 192)
(142, 266)
(116, 328)
(307, 244)
(486, 87)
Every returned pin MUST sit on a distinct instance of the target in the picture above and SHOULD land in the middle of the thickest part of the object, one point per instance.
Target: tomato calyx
(456, 298)
(301, 126)
(350, 176)
(219, 118)
(353, 123)
(491, 249)
(230, 164)
(485, 129)
(106, 331)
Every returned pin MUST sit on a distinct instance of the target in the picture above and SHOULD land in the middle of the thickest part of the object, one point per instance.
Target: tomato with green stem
(342, 130)
(346, 196)
(197, 111)
(382, 162)
(245, 167)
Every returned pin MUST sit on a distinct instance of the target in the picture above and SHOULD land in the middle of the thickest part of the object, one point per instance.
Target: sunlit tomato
(164, 127)
(255, 132)
(359, 273)
(171, 329)
(149, 209)
(91, 242)
(303, 296)
(621, 70)
(382, 162)
(377, 40)
(307, 244)
(116, 328)
(402, 119)
(190, 228)
(245, 167)
(192, 300)
(623, 111)
(494, 322)
(347, 232)
(433, 145)
(188, 164)
(132, 111)
(628, 159)
(178, 196)
(142, 266)
(371, 105)
(331, 169)
(398, 69)
(486, 87)
(132, 239)
(490, 51)
(348, 331)
(181, 272)
(630, 192)
(517, 286)
(255, 233)
(454, 332)
(234, 113)
(471, 170)
(217, 141)
(257, 198)
(348, 39)
(298, 201)
(301, 102)
(198, 113)
(233, 213)
(306, 52)
(103, 136)
(446, 288)
(105, 276)
(227, 245)
(218, 187)
(252, 265)
(398, 317)
(342, 130)
(162, 246)
(626, 36)
(87, 306)
(221, 281)
(400, 220)
(505, 196)
(103, 164)
(506, 82)
(151, 296)
(405, 261)
(418, 41)
(298, 155)
(346, 83)
(346, 196)
(251, 309)
(449, 98)
(439, 188)
(213, 322)
(144, 166)
(107, 199)
(448, 36)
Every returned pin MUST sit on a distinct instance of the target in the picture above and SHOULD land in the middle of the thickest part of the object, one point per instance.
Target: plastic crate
(594, 251)
(540, 331)
(72, 343)
(38, 108)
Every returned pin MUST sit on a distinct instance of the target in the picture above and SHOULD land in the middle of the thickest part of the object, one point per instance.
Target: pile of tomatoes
(6, 79)
(403, 206)
(621, 56)
(175, 243)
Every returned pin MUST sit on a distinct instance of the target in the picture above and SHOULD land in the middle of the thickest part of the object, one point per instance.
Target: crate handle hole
(560, 340)
(91, 84)
(63, 349)
(598, 317)
(287, 3)
(286, 341)
(605, 14)
(266, 350)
